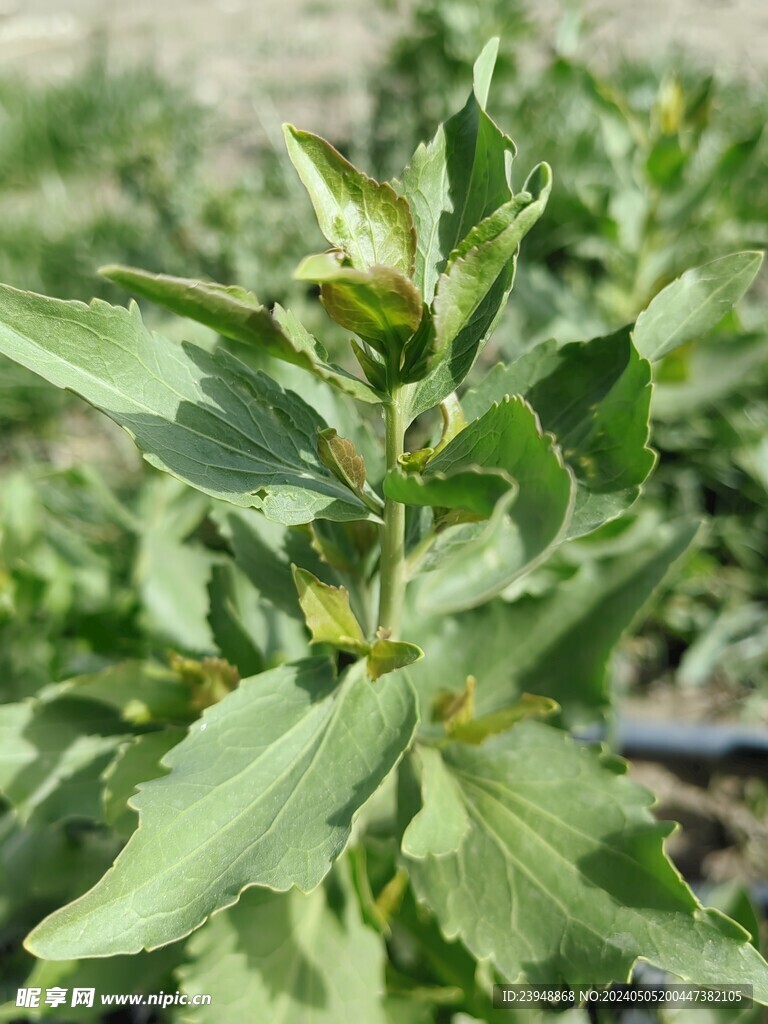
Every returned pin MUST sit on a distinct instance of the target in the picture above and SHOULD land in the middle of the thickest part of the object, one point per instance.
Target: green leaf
(451, 966)
(138, 762)
(52, 756)
(710, 371)
(594, 397)
(557, 644)
(406, 1009)
(261, 792)
(44, 865)
(419, 351)
(389, 655)
(473, 490)
(451, 370)
(207, 419)
(414, 462)
(324, 370)
(342, 458)
(172, 577)
(264, 552)
(524, 527)
(442, 823)
(477, 730)
(236, 313)
(367, 220)
(458, 179)
(266, 597)
(328, 615)
(346, 547)
(473, 290)
(480, 258)
(694, 303)
(666, 162)
(454, 183)
(380, 305)
(143, 974)
(301, 959)
(373, 368)
(734, 900)
(171, 571)
(140, 691)
(231, 602)
(454, 420)
(562, 877)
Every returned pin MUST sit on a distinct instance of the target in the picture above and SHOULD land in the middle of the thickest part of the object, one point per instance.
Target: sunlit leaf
(443, 822)
(138, 762)
(525, 526)
(473, 289)
(261, 792)
(207, 419)
(594, 396)
(458, 179)
(326, 610)
(694, 303)
(301, 959)
(236, 313)
(561, 874)
(367, 220)
(389, 655)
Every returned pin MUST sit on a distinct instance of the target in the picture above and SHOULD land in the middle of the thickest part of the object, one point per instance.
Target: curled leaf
(388, 655)
(453, 419)
(340, 456)
(363, 217)
(415, 462)
(455, 708)
(480, 258)
(477, 730)
(594, 396)
(379, 304)
(473, 564)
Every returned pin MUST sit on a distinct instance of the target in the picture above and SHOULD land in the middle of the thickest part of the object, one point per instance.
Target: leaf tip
(482, 72)
(539, 181)
(111, 270)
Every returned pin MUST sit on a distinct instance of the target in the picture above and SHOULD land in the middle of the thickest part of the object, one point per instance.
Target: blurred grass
(119, 167)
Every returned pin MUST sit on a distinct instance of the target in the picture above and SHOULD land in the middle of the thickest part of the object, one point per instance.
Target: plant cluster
(666, 166)
(361, 800)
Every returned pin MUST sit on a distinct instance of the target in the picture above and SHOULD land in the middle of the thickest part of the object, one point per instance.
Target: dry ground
(264, 61)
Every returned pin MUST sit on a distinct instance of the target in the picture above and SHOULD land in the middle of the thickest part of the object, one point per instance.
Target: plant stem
(392, 571)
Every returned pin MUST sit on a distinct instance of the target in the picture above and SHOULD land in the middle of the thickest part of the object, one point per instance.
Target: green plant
(666, 164)
(378, 797)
